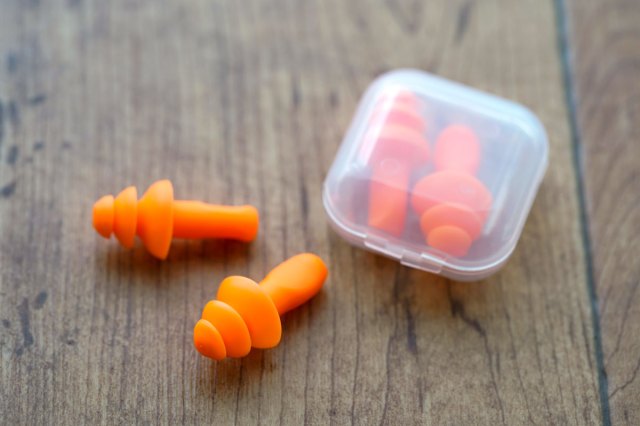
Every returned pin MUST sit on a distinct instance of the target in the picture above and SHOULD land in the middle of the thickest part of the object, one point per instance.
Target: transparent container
(437, 175)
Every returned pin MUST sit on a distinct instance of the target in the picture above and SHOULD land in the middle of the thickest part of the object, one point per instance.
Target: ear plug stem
(294, 281)
(198, 220)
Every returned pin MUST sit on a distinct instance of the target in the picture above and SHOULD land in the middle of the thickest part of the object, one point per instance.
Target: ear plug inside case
(437, 175)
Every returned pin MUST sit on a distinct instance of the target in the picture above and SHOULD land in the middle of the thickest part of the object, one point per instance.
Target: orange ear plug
(452, 203)
(399, 148)
(157, 217)
(247, 314)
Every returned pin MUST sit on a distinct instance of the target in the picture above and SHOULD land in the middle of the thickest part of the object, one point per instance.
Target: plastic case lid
(436, 174)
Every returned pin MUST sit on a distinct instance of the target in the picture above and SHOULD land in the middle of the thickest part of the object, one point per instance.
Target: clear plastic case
(437, 175)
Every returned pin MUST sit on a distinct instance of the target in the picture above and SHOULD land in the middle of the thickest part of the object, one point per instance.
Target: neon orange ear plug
(400, 147)
(157, 218)
(452, 203)
(247, 314)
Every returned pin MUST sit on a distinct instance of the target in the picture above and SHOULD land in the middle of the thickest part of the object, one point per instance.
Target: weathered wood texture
(605, 47)
(247, 102)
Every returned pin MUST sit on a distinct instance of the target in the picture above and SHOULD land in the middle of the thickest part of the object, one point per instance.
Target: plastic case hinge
(420, 262)
(381, 246)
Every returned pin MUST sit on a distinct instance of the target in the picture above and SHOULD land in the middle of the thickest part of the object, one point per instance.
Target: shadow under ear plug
(247, 314)
(399, 147)
(452, 203)
(157, 218)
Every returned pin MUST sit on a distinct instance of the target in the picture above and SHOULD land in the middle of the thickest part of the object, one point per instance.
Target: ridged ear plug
(247, 314)
(157, 218)
(399, 147)
(452, 203)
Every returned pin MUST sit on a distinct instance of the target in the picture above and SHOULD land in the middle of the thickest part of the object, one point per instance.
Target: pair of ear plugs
(246, 314)
(451, 202)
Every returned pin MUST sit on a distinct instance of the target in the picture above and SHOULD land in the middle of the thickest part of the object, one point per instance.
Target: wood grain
(247, 102)
(606, 51)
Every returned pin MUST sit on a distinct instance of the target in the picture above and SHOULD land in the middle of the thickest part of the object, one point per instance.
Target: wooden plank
(247, 102)
(606, 62)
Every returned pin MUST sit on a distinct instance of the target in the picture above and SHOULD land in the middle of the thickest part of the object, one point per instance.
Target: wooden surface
(606, 47)
(247, 102)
